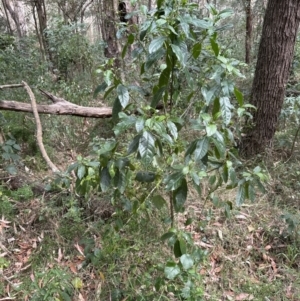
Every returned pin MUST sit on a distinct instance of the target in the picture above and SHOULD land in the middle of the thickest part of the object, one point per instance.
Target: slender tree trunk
(42, 48)
(248, 42)
(275, 55)
(7, 18)
(14, 15)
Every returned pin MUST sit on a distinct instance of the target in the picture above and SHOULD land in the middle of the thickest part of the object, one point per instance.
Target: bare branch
(39, 136)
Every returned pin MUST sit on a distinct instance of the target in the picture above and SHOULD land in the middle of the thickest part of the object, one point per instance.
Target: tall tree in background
(248, 40)
(275, 56)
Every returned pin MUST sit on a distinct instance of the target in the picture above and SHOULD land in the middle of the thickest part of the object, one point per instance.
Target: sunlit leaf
(178, 52)
(172, 270)
(123, 95)
(147, 146)
(201, 148)
(240, 197)
(105, 179)
(81, 172)
(173, 181)
(173, 129)
(156, 44)
(186, 261)
(211, 129)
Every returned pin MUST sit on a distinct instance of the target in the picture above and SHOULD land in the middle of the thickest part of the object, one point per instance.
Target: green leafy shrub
(153, 162)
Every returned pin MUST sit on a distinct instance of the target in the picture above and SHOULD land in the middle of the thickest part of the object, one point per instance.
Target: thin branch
(39, 136)
(12, 86)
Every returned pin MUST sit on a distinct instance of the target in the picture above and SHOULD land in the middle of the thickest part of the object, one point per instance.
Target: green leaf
(124, 51)
(139, 125)
(117, 108)
(123, 95)
(158, 201)
(173, 181)
(200, 23)
(226, 107)
(100, 88)
(173, 129)
(196, 50)
(239, 96)
(225, 13)
(176, 249)
(190, 150)
(180, 195)
(214, 46)
(160, 3)
(133, 146)
(108, 91)
(216, 108)
(211, 129)
(164, 77)
(201, 148)
(208, 94)
(182, 244)
(220, 147)
(178, 52)
(157, 97)
(145, 176)
(171, 270)
(167, 235)
(153, 58)
(130, 39)
(105, 179)
(147, 146)
(143, 34)
(240, 197)
(186, 261)
(11, 169)
(81, 172)
(121, 180)
(156, 44)
(251, 193)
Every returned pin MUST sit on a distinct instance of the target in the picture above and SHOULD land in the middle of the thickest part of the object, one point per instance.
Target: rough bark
(275, 56)
(108, 28)
(248, 41)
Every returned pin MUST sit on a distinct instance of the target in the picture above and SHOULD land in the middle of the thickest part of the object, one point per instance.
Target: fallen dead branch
(59, 106)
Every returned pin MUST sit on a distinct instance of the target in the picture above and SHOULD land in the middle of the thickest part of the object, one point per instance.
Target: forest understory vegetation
(150, 204)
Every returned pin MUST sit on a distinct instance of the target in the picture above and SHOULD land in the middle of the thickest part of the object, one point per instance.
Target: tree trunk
(14, 13)
(108, 28)
(7, 18)
(275, 56)
(248, 42)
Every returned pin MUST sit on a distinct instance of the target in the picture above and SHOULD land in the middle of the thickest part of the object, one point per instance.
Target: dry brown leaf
(73, 267)
(244, 296)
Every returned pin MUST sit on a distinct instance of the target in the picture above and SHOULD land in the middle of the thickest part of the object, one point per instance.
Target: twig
(11, 86)
(39, 137)
(293, 145)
